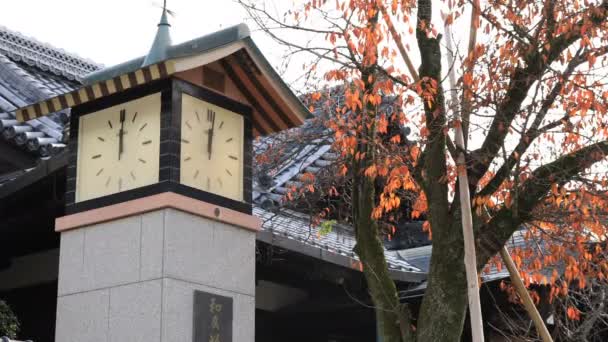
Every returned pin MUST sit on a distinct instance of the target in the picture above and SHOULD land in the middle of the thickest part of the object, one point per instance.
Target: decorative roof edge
(98, 90)
(33, 52)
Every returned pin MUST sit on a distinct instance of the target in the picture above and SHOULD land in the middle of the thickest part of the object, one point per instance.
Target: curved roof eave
(272, 74)
(205, 44)
(189, 48)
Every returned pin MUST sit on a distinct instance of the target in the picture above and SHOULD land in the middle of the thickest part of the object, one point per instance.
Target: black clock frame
(171, 91)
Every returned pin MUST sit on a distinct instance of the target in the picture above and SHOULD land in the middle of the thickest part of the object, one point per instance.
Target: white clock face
(118, 148)
(211, 148)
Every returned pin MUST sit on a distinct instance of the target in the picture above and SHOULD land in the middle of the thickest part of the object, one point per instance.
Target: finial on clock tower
(162, 41)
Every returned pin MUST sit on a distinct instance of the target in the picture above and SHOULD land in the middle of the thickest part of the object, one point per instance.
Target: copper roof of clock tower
(275, 106)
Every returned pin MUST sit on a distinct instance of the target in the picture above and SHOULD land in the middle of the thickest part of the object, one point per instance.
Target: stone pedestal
(134, 278)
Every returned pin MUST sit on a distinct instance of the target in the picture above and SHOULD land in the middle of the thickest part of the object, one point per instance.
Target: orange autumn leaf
(573, 313)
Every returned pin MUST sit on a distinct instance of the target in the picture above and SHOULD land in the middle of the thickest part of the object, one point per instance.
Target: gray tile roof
(304, 149)
(45, 57)
(307, 149)
(293, 231)
(297, 158)
(31, 71)
(421, 257)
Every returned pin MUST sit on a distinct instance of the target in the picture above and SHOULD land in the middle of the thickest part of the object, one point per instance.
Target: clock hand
(121, 133)
(210, 137)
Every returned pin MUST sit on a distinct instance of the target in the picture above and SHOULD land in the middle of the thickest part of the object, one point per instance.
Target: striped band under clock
(98, 90)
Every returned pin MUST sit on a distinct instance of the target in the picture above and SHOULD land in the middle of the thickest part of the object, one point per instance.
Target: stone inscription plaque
(212, 317)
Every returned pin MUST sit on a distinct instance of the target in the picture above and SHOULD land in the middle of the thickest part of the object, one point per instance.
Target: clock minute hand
(211, 115)
(121, 133)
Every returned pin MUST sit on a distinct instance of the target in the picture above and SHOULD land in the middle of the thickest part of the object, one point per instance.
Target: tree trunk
(370, 250)
(443, 309)
(369, 247)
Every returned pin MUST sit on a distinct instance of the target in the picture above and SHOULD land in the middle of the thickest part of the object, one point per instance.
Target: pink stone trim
(157, 202)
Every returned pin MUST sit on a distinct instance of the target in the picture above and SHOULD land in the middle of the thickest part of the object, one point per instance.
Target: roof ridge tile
(31, 51)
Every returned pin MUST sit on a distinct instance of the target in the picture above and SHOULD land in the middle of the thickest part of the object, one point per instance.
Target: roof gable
(275, 107)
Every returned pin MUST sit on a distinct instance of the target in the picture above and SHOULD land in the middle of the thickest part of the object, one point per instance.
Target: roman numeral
(210, 115)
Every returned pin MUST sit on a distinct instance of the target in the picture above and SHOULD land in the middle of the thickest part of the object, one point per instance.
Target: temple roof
(31, 71)
(29, 51)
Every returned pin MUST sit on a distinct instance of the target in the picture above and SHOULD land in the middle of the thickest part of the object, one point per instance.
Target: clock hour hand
(121, 133)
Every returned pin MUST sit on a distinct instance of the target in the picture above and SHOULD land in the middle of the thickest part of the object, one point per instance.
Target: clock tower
(158, 241)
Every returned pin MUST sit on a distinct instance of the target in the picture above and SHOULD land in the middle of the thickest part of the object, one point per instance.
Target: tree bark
(370, 250)
(443, 309)
(369, 247)
(444, 305)
(390, 314)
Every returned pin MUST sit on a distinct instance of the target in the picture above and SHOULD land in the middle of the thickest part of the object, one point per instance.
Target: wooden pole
(467, 222)
(470, 257)
(525, 296)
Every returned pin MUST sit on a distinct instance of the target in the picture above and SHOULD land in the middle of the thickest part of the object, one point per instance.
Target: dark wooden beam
(13, 158)
(40, 172)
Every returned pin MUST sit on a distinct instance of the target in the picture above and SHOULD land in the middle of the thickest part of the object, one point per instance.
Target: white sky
(113, 31)
(110, 32)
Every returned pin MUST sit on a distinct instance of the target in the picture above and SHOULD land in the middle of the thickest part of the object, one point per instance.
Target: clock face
(118, 148)
(211, 148)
